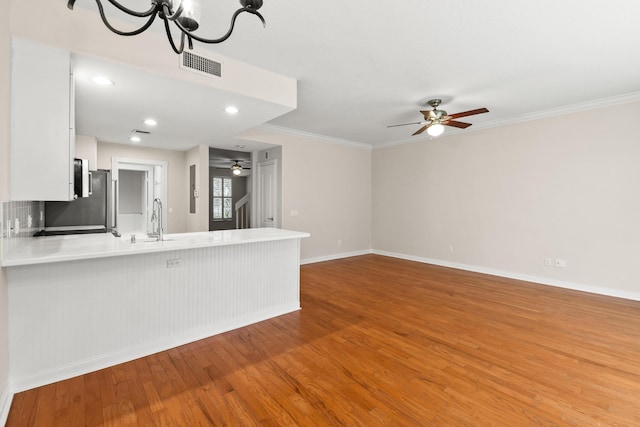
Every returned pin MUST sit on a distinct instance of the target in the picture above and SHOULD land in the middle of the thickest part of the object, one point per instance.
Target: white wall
(329, 186)
(177, 206)
(87, 148)
(505, 198)
(199, 156)
(5, 85)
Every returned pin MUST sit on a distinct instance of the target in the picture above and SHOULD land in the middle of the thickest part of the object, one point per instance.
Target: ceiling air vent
(200, 64)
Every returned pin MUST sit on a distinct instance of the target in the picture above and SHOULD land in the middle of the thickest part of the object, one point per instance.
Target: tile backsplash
(19, 222)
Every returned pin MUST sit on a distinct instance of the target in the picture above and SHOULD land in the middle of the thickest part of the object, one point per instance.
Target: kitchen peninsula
(80, 303)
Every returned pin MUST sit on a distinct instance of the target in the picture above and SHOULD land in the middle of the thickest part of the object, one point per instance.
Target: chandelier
(181, 13)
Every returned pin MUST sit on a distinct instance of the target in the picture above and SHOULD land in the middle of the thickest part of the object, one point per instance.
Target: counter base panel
(70, 318)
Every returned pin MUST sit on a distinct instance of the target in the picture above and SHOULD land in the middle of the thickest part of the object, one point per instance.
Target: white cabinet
(42, 123)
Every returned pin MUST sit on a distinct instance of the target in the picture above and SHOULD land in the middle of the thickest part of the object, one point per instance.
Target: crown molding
(538, 115)
(310, 135)
(561, 111)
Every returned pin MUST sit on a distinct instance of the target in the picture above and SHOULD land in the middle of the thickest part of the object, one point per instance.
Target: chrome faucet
(157, 216)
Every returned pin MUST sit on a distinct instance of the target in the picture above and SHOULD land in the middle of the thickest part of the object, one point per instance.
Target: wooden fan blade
(469, 113)
(406, 124)
(422, 129)
(461, 125)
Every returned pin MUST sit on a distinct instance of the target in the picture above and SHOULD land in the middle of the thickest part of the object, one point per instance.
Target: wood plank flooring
(381, 341)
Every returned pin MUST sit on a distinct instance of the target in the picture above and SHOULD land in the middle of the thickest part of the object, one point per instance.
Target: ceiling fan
(435, 120)
(237, 168)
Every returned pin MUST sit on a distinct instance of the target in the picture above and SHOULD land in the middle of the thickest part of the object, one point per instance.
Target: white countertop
(40, 250)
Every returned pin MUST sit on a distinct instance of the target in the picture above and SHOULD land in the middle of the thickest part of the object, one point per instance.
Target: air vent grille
(200, 64)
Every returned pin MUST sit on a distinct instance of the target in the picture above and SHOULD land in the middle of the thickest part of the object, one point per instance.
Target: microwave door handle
(115, 204)
(90, 184)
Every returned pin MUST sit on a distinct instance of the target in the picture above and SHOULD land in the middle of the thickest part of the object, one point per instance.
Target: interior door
(268, 193)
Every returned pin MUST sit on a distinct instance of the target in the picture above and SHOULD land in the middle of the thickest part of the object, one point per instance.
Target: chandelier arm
(123, 33)
(133, 12)
(226, 36)
(175, 15)
(170, 37)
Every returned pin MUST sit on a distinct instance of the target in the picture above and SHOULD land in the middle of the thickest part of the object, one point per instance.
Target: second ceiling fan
(435, 120)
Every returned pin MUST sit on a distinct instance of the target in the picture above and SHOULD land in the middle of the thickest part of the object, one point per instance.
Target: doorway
(136, 183)
(268, 212)
(230, 189)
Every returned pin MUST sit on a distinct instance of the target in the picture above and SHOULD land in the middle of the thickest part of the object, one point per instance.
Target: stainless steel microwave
(81, 178)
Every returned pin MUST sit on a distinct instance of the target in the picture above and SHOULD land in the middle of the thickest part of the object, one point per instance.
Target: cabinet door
(41, 141)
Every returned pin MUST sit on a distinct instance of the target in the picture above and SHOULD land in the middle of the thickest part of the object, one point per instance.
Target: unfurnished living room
(412, 214)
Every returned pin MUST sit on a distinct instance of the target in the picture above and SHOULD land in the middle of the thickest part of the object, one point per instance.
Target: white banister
(241, 206)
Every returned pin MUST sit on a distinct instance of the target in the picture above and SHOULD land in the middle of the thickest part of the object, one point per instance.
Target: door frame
(257, 212)
(127, 163)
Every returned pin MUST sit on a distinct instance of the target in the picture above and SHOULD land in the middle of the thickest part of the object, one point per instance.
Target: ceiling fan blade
(422, 129)
(461, 125)
(406, 124)
(469, 113)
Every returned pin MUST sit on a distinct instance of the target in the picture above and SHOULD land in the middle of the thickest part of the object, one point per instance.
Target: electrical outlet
(561, 263)
(548, 262)
(175, 263)
(450, 248)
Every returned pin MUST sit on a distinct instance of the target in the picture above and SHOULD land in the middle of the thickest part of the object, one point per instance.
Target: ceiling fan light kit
(236, 168)
(182, 13)
(435, 129)
(435, 120)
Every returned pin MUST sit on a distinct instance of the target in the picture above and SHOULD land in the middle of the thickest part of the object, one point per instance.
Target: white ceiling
(362, 66)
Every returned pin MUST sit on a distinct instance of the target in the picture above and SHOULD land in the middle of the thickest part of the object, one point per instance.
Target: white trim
(334, 256)
(511, 275)
(91, 365)
(310, 135)
(5, 404)
(129, 163)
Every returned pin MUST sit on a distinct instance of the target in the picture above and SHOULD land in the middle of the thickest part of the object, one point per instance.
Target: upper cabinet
(42, 123)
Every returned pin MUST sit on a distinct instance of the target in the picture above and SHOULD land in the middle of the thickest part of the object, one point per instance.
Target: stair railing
(242, 212)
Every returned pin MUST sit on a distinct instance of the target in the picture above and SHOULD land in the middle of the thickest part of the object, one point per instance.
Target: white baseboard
(511, 275)
(334, 256)
(5, 404)
(83, 367)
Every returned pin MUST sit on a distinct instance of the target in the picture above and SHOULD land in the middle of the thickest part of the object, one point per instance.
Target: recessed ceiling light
(231, 109)
(150, 122)
(135, 138)
(103, 81)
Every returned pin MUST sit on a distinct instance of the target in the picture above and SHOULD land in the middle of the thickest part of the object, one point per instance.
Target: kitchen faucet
(157, 216)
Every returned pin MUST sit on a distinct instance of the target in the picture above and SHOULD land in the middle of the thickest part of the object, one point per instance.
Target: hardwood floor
(381, 341)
